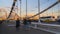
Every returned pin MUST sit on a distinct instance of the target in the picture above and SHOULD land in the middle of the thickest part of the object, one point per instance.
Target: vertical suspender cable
(39, 9)
(52, 11)
(26, 8)
(47, 11)
(17, 7)
(6, 15)
(58, 10)
(20, 10)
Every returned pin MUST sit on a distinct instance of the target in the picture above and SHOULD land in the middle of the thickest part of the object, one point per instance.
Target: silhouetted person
(17, 23)
(1, 21)
(29, 21)
(25, 24)
(59, 21)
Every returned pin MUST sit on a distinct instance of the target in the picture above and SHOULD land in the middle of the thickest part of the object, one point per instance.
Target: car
(47, 19)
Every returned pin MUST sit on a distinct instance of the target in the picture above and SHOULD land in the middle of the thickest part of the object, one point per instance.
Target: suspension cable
(13, 5)
(46, 9)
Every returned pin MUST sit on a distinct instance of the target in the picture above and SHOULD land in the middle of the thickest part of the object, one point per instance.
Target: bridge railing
(54, 28)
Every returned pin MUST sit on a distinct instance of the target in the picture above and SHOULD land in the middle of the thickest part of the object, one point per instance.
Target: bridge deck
(4, 29)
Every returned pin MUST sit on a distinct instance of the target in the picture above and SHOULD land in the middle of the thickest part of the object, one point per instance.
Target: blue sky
(32, 5)
(5, 3)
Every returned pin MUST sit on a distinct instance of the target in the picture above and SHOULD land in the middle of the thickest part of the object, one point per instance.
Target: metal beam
(13, 5)
(45, 9)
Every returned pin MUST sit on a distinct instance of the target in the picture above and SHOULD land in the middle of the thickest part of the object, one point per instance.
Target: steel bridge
(36, 27)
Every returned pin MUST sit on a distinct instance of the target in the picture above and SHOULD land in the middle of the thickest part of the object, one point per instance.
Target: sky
(32, 6)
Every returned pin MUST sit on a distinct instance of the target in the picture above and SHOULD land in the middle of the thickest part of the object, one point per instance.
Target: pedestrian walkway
(4, 29)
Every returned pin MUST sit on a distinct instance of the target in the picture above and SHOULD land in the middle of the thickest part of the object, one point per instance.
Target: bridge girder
(13, 5)
(46, 9)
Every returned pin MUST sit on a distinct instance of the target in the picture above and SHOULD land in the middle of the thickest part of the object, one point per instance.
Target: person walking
(1, 21)
(29, 23)
(25, 23)
(17, 23)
